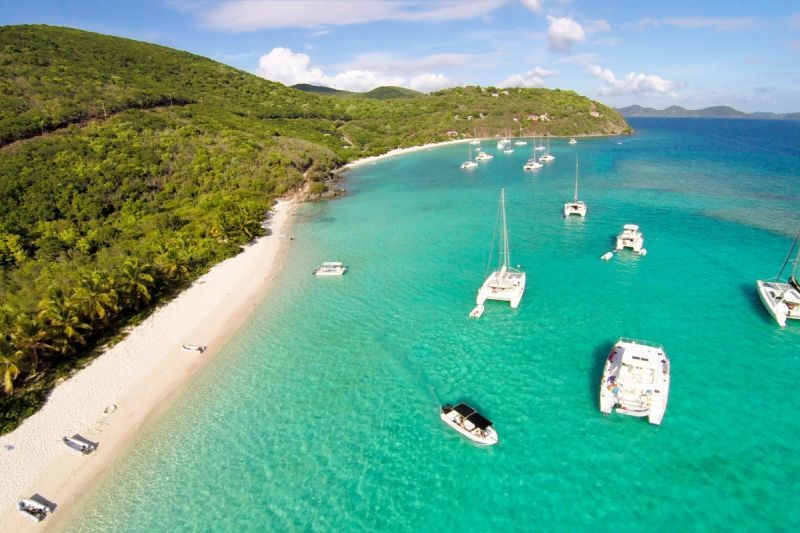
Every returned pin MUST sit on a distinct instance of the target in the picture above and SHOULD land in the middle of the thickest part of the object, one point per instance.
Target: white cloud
(285, 66)
(533, 78)
(633, 84)
(533, 5)
(601, 25)
(245, 15)
(702, 23)
(563, 33)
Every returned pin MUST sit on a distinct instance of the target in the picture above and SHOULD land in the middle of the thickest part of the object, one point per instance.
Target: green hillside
(387, 92)
(127, 169)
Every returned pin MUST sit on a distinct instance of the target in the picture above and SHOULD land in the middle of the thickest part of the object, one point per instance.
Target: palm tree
(135, 282)
(63, 324)
(30, 339)
(94, 298)
(170, 259)
(10, 370)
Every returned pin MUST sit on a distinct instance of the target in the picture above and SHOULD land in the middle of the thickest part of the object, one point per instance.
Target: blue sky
(692, 53)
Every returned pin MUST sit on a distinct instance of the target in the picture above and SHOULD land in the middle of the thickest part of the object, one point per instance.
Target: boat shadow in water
(599, 356)
(750, 294)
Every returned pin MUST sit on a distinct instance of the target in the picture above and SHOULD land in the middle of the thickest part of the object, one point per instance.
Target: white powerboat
(573, 141)
(469, 423)
(575, 207)
(508, 151)
(631, 238)
(483, 156)
(78, 444)
(330, 268)
(531, 164)
(33, 510)
(636, 380)
(506, 283)
(782, 300)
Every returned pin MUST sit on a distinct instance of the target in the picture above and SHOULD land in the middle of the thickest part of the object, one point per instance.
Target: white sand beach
(398, 151)
(110, 399)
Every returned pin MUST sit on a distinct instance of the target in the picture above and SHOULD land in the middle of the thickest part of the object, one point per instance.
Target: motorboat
(575, 207)
(573, 141)
(505, 283)
(469, 423)
(636, 380)
(502, 143)
(196, 348)
(33, 510)
(80, 445)
(508, 151)
(330, 268)
(782, 299)
(631, 238)
(483, 156)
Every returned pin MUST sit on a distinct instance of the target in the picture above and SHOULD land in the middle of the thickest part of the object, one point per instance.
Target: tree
(63, 324)
(30, 339)
(134, 282)
(94, 298)
(10, 370)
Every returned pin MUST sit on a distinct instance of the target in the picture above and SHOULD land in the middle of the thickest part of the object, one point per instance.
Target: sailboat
(547, 157)
(532, 163)
(521, 141)
(782, 300)
(506, 283)
(469, 163)
(575, 207)
(537, 147)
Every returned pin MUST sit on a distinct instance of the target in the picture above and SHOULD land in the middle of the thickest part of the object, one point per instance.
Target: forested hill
(127, 169)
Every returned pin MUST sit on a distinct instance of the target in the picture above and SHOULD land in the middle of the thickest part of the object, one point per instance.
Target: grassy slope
(159, 163)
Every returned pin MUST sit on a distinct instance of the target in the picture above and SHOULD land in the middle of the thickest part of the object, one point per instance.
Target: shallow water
(322, 414)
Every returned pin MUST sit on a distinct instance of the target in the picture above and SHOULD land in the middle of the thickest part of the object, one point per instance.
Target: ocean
(322, 414)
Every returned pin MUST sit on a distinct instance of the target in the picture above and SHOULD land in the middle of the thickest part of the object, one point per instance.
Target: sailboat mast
(506, 258)
(788, 256)
(576, 179)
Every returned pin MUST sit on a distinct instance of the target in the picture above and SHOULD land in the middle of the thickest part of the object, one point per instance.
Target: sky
(693, 53)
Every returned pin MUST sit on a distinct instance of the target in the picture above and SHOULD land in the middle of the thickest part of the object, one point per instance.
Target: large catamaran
(575, 207)
(506, 283)
(782, 300)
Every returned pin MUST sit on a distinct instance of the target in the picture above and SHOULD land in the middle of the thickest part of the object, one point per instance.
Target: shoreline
(134, 381)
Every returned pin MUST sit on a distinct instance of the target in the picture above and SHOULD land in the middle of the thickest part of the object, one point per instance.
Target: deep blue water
(322, 414)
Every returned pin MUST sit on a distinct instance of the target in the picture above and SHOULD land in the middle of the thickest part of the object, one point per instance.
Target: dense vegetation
(128, 169)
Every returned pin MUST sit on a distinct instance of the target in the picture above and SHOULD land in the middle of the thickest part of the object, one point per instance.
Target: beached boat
(636, 380)
(469, 423)
(575, 207)
(483, 156)
(78, 444)
(631, 238)
(505, 283)
(573, 141)
(196, 348)
(33, 510)
(469, 163)
(330, 268)
(782, 299)
(547, 156)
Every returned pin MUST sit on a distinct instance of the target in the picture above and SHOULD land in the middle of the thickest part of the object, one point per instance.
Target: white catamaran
(506, 283)
(575, 207)
(469, 163)
(782, 300)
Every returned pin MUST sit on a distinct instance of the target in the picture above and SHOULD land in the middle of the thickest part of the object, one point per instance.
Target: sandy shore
(108, 401)
(398, 151)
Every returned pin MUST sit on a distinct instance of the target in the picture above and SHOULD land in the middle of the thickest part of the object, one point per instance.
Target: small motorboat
(33, 510)
(196, 348)
(573, 141)
(78, 444)
(469, 423)
(330, 268)
(477, 312)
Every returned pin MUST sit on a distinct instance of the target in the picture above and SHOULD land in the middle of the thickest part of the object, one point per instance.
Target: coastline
(110, 399)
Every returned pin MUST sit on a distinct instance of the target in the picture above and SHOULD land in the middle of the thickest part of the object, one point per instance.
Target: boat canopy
(331, 264)
(479, 420)
(463, 409)
(632, 227)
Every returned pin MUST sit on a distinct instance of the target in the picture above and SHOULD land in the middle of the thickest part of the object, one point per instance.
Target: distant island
(379, 93)
(718, 111)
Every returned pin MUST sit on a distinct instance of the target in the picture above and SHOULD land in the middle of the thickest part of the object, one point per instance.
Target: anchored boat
(330, 268)
(469, 423)
(636, 380)
(575, 207)
(782, 299)
(631, 238)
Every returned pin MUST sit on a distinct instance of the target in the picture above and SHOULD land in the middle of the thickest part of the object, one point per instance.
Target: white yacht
(575, 207)
(330, 268)
(469, 423)
(573, 141)
(547, 156)
(469, 163)
(537, 147)
(502, 143)
(33, 510)
(631, 238)
(636, 380)
(506, 283)
(782, 300)
(483, 156)
(531, 164)
(521, 141)
(508, 151)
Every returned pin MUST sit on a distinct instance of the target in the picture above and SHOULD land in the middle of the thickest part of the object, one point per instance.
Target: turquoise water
(322, 414)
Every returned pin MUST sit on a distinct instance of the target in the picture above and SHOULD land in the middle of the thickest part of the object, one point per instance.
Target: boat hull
(781, 300)
(489, 439)
(507, 287)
